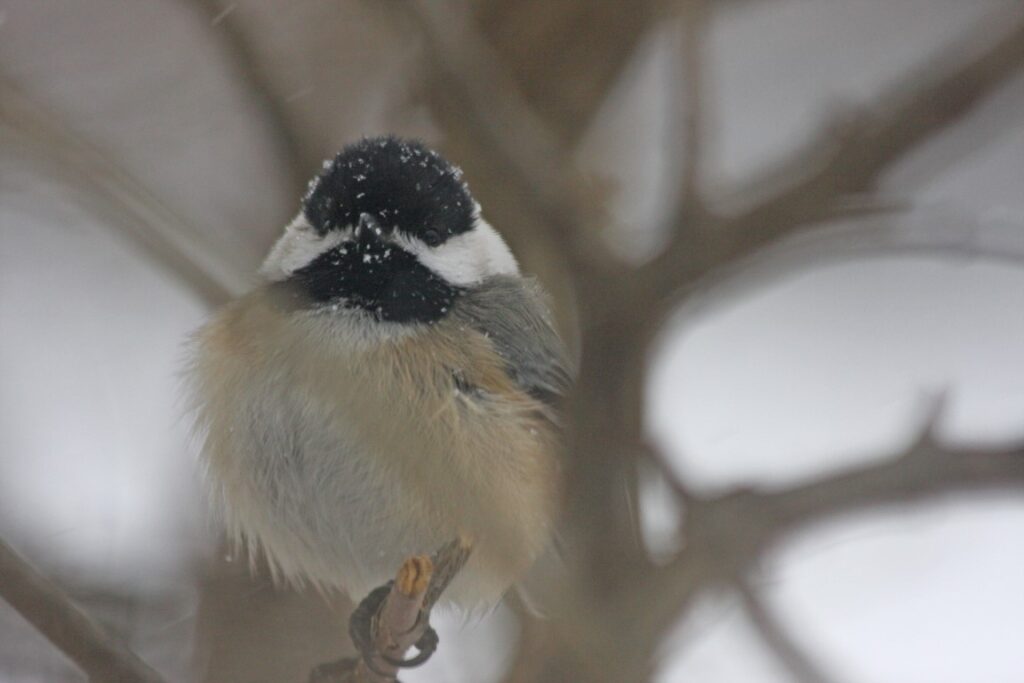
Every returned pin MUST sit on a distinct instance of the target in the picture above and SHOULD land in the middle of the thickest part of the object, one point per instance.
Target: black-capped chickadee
(392, 386)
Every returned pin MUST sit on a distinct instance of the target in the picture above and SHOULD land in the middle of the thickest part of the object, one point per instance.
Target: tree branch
(44, 605)
(845, 159)
(401, 619)
(693, 17)
(922, 232)
(293, 150)
(801, 667)
(496, 115)
(725, 534)
(125, 203)
(566, 85)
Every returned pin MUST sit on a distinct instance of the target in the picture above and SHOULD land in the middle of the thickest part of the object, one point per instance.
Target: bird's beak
(368, 229)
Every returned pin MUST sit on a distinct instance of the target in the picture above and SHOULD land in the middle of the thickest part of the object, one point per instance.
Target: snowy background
(792, 375)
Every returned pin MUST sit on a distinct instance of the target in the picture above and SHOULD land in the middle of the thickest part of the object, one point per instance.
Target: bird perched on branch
(392, 385)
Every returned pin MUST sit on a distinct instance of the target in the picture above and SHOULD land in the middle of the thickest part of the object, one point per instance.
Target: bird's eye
(432, 238)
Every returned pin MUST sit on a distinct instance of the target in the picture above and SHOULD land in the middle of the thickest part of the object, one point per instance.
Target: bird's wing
(513, 312)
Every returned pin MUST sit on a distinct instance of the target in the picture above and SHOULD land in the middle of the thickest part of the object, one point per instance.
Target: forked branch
(726, 533)
(846, 158)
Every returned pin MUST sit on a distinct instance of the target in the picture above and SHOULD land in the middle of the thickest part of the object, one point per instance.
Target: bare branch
(478, 80)
(847, 160)
(920, 232)
(922, 474)
(732, 530)
(126, 204)
(726, 533)
(693, 18)
(400, 620)
(398, 624)
(680, 488)
(593, 41)
(44, 605)
(801, 667)
(448, 562)
(495, 113)
(227, 27)
(480, 95)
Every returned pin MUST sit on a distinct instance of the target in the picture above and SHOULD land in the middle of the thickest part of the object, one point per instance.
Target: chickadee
(393, 385)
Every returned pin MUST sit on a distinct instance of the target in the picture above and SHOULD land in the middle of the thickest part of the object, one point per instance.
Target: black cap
(400, 183)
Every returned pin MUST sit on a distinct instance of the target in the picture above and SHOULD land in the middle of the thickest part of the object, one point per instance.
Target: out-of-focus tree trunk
(564, 55)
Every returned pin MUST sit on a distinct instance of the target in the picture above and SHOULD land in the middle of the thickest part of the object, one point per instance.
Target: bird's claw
(361, 622)
(427, 645)
(361, 627)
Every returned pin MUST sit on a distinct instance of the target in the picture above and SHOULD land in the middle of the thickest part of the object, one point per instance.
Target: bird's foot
(361, 623)
(363, 626)
(426, 645)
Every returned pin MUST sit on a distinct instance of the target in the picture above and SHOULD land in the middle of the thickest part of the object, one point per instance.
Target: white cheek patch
(298, 247)
(468, 258)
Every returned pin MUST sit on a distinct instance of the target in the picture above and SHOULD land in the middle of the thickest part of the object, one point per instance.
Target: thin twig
(405, 614)
(448, 562)
(402, 618)
(398, 624)
(44, 605)
(776, 636)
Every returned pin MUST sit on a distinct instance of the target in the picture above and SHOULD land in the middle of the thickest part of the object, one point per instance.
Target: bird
(392, 383)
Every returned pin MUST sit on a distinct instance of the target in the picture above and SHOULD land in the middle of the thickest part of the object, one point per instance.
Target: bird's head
(388, 227)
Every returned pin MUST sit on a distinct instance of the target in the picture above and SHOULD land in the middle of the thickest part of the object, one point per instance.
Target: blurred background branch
(295, 153)
(693, 22)
(125, 204)
(849, 155)
(44, 605)
(519, 94)
(792, 656)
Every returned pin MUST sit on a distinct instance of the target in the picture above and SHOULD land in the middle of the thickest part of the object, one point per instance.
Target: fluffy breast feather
(342, 450)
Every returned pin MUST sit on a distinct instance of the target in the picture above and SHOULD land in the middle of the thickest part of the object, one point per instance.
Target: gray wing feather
(514, 313)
